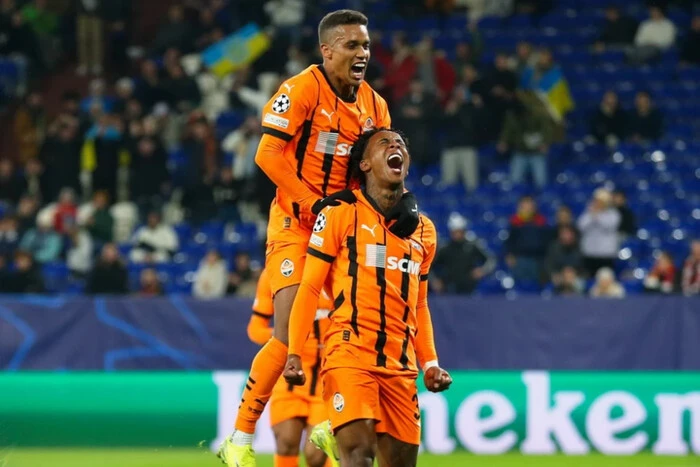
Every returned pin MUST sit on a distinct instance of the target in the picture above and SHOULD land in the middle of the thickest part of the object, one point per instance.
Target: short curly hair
(357, 153)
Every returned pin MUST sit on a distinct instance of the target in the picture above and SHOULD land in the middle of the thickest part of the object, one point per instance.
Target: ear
(326, 51)
(364, 165)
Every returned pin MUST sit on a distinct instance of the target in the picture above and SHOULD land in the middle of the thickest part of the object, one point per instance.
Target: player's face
(347, 53)
(386, 158)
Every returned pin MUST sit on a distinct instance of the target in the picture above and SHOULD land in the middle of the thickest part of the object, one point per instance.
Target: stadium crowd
(145, 182)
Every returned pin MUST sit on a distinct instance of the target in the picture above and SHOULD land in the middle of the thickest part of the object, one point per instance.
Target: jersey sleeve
(329, 232)
(384, 119)
(429, 239)
(285, 112)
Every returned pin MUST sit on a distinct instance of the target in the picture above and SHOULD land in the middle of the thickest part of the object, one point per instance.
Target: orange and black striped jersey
(320, 128)
(379, 282)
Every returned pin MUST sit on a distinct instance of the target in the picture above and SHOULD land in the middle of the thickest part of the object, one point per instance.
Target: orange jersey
(379, 281)
(260, 331)
(319, 128)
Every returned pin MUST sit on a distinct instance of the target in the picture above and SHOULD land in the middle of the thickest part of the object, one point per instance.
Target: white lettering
(672, 407)
(601, 428)
(343, 149)
(275, 120)
(436, 423)
(545, 422)
(230, 386)
(471, 428)
(403, 265)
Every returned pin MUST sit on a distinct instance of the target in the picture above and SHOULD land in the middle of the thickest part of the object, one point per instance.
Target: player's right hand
(436, 379)
(293, 373)
(343, 196)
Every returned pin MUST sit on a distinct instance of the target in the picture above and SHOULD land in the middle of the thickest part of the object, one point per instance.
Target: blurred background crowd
(555, 143)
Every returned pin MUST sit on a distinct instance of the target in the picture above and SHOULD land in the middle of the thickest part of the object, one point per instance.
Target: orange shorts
(287, 241)
(392, 400)
(287, 402)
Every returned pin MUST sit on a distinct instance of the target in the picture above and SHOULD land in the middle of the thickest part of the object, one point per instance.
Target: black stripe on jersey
(262, 315)
(405, 285)
(317, 365)
(303, 142)
(381, 332)
(339, 300)
(277, 134)
(320, 255)
(352, 272)
(296, 210)
(374, 105)
(424, 277)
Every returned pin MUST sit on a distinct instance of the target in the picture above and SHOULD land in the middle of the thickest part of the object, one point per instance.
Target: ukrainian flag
(553, 87)
(236, 51)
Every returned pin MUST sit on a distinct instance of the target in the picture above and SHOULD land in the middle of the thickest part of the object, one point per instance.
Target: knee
(287, 445)
(360, 454)
(314, 456)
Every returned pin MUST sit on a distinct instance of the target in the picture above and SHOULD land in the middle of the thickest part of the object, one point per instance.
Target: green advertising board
(486, 413)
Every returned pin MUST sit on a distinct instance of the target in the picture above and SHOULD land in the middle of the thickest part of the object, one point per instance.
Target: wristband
(429, 365)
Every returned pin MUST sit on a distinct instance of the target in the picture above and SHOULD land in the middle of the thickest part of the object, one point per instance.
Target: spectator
(609, 121)
(150, 87)
(109, 275)
(42, 242)
(549, 82)
(690, 52)
(182, 92)
(97, 98)
(569, 283)
(654, 36)
(27, 209)
(23, 43)
(618, 30)
(211, 277)
(563, 253)
(30, 126)
(90, 35)
(45, 25)
(102, 152)
(435, 71)
(525, 57)
(414, 115)
(399, 72)
(527, 241)
(691, 270)
(11, 185)
(646, 121)
(61, 158)
(175, 33)
(465, 54)
(150, 284)
(287, 17)
(9, 237)
(26, 277)
(66, 214)
(528, 133)
(149, 174)
(243, 143)
(242, 281)
(124, 89)
(460, 158)
(499, 95)
(565, 218)
(462, 263)
(227, 193)
(98, 219)
(79, 254)
(606, 286)
(662, 277)
(155, 242)
(628, 221)
(599, 238)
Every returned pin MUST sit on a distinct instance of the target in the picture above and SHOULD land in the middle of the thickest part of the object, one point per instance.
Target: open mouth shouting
(357, 70)
(395, 162)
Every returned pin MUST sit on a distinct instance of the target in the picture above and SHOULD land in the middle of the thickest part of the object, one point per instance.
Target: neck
(386, 197)
(347, 91)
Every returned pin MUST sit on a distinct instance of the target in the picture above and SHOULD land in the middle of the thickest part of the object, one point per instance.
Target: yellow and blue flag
(237, 50)
(553, 86)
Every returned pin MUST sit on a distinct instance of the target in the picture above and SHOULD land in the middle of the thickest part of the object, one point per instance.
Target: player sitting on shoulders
(381, 326)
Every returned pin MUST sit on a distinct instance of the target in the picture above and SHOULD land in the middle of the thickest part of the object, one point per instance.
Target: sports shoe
(235, 455)
(322, 437)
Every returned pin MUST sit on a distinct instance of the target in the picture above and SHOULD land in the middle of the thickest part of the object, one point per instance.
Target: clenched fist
(436, 379)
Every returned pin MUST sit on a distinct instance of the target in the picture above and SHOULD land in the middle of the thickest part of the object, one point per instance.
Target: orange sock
(286, 461)
(328, 463)
(267, 367)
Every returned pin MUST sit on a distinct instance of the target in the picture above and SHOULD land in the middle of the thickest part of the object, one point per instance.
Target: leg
(357, 442)
(97, 44)
(82, 43)
(518, 166)
(448, 166)
(538, 164)
(393, 453)
(470, 168)
(314, 456)
(287, 438)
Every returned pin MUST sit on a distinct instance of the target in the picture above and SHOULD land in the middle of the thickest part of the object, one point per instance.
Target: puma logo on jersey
(365, 227)
(329, 115)
(289, 88)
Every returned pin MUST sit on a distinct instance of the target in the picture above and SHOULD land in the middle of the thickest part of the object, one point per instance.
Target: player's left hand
(343, 196)
(293, 372)
(436, 379)
(406, 215)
